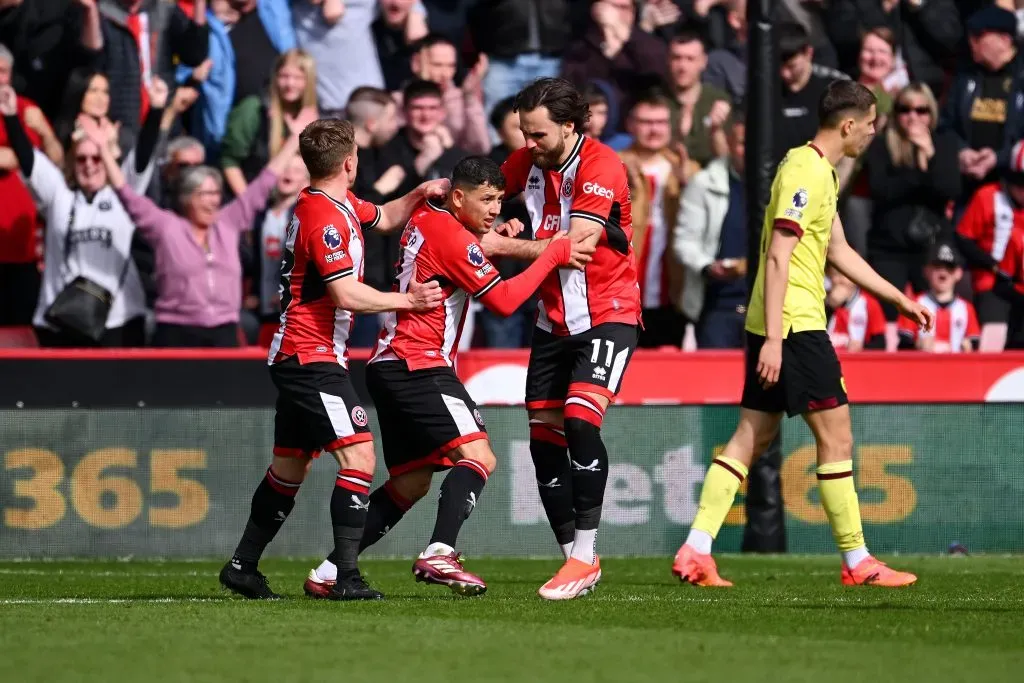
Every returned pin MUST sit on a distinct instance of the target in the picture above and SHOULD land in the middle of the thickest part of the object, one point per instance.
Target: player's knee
(548, 416)
(358, 456)
(583, 414)
(836, 446)
(292, 468)
(478, 451)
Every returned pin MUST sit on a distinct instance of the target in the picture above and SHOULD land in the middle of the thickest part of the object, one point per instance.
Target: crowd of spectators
(147, 150)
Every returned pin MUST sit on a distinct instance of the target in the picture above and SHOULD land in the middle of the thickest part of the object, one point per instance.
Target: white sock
(699, 541)
(854, 557)
(567, 550)
(437, 549)
(327, 571)
(583, 546)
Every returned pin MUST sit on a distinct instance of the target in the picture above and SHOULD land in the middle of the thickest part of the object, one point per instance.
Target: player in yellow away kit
(791, 367)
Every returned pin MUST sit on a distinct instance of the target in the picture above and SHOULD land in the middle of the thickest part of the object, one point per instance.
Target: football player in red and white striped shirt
(857, 321)
(428, 420)
(587, 321)
(956, 328)
(317, 407)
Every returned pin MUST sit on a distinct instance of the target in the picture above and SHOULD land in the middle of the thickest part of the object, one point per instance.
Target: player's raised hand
(158, 92)
(424, 295)
(511, 227)
(916, 312)
(769, 363)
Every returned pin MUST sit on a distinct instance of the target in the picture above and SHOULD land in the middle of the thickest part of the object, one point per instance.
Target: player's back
(323, 243)
(803, 201)
(435, 246)
(591, 184)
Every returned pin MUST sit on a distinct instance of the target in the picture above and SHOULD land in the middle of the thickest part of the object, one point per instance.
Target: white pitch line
(103, 601)
(88, 573)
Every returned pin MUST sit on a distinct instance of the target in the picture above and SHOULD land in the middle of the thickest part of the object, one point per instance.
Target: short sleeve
(800, 191)
(599, 188)
(368, 213)
(515, 169)
(467, 267)
(857, 326)
(327, 246)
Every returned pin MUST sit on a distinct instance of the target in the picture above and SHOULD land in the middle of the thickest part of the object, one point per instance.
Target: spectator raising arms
(913, 177)
(331, 30)
(701, 109)
(256, 128)
(89, 233)
(48, 39)
(614, 50)
(198, 268)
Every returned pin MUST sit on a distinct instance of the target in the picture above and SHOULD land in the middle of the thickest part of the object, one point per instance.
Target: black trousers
(131, 334)
(19, 292)
(663, 326)
(192, 336)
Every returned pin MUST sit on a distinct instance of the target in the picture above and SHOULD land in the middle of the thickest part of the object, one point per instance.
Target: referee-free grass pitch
(788, 619)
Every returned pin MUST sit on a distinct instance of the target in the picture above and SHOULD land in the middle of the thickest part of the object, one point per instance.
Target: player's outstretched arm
(496, 245)
(851, 264)
(395, 214)
(352, 295)
(507, 296)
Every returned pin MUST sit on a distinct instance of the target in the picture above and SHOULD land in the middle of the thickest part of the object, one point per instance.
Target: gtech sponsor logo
(594, 188)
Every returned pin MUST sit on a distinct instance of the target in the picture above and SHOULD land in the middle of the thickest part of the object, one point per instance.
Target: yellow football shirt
(803, 201)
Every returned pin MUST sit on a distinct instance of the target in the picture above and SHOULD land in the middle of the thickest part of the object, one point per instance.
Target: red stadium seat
(18, 338)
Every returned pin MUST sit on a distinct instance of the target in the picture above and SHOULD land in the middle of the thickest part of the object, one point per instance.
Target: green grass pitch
(787, 620)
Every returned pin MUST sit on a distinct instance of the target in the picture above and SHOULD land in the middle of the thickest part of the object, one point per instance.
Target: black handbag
(924, 228)
(80, 310)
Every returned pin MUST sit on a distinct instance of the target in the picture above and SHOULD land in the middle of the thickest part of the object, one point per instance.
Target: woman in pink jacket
(198, 268)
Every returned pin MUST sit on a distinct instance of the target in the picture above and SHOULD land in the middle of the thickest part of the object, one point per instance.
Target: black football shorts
(811, 377)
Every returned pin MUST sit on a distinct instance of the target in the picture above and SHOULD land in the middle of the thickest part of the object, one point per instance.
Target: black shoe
(353, 588)
(253, 586)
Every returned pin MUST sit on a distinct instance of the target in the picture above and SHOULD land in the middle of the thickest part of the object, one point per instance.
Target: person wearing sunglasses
(88, 244)
(913, 175)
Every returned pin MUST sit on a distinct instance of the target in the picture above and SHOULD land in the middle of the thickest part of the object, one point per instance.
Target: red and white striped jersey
(653, 274)
(954, 322)
(859, 320)
(324, 242)
(991, 218)
(591, 184)
(435, 246)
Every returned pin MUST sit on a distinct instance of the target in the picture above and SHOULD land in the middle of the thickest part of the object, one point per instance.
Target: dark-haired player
(791, 366)
(587, 321)
(428, 420)
(317, 407)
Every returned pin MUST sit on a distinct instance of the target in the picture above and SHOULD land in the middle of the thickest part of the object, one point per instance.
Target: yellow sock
(839, 498)
(718, 493)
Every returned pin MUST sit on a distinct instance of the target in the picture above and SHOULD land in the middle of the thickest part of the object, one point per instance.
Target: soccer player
(587, 321)
(317, 407)
(428, 420)
(791, 367)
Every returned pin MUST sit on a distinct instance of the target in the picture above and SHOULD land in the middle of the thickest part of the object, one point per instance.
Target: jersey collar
(573, 154)
(341, 205)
